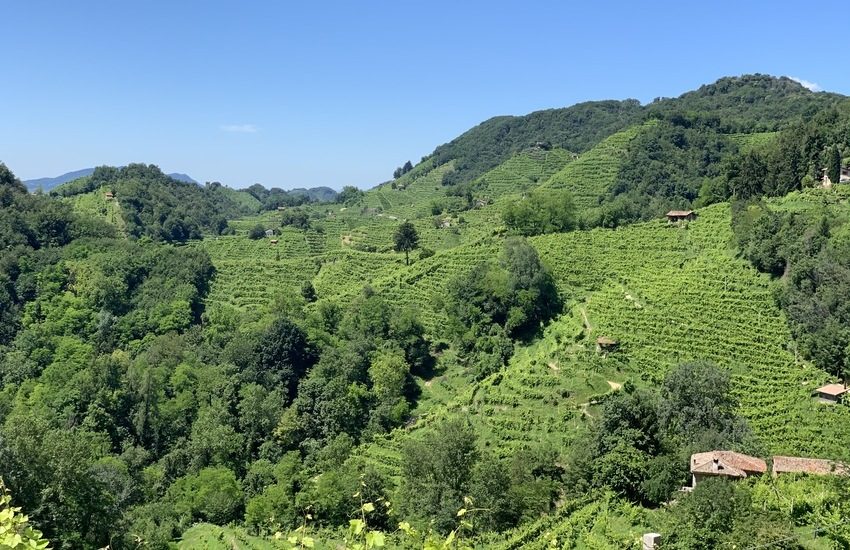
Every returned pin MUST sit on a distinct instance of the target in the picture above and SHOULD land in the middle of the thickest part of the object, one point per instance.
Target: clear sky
(310, 93)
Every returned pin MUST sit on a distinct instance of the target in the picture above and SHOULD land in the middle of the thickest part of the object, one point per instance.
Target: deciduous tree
(406, 239)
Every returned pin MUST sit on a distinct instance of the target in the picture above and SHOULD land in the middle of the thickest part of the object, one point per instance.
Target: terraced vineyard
(604, 523)
(344, 273)
(414, 193)
(213, 537)
(95, 204)
(748, 142)
(522, 172)
(668, 294)
(591, 174)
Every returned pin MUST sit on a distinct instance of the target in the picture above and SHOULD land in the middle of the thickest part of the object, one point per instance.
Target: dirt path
(586, 320)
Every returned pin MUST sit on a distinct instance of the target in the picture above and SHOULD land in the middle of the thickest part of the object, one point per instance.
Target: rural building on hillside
(674, 216)
(831, 393)
(844, 178)
(109, 195)
(724, 464)
(281, 208)
(793, 464)
(269, 232)
(650, 541)
(273, 241)
(606, 344)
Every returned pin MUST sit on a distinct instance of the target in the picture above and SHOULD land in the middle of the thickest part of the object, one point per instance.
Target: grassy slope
(95, 204)
(589, 177)
(749, 142)
(522, 172)
(242, 198)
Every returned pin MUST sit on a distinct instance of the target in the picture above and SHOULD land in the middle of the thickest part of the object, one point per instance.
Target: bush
(541, 212)
(257, 232)
(212, 495)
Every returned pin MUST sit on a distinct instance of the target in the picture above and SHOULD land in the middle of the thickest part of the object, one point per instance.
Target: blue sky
(297, 94)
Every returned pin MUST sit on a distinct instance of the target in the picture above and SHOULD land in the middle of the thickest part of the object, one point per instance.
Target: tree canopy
(405, 239)
(543, 211)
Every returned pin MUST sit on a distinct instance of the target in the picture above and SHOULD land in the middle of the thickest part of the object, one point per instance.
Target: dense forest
(489, 351)
(150, 420)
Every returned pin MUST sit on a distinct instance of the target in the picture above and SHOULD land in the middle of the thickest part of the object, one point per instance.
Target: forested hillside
(170, 210)
(506, 346)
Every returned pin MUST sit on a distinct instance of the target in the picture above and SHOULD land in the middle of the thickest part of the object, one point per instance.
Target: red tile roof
(726, 463)
(791, 464)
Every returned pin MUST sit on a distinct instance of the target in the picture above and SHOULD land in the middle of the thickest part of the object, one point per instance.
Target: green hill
(669, 296)
(745, 104)
(158, 388)
(522, 172)
(160, 207)
(592, 174)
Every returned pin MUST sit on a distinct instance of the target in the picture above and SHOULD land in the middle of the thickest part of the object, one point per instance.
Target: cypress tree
(833, 166)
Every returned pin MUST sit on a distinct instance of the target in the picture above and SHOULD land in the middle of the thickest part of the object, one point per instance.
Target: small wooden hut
(831, 393)
(675, 216)
(605, 344)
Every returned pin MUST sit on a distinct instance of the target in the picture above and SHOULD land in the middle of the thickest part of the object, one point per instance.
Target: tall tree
(833, 166)
(406, 239)
(437, 471)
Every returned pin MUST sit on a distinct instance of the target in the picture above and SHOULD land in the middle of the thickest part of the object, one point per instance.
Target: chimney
(651, 541)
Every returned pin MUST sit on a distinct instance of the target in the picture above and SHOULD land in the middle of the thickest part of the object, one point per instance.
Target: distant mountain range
(46, 184)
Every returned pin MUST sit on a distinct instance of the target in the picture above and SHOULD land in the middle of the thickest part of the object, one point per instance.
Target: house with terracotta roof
(831, 393)
(674, 216)
(815, 466)
(728, 464)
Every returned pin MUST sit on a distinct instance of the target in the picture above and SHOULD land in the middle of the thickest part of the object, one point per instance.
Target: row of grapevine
(591, 174)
